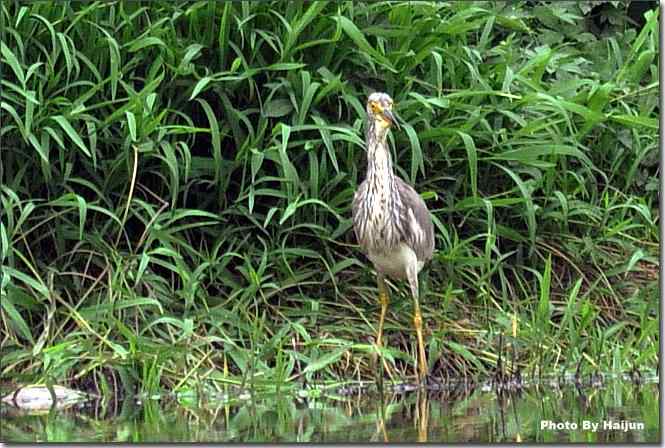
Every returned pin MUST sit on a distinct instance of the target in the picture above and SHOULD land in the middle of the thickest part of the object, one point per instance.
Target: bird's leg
(384, 299)
(418, 323)
(412, 275)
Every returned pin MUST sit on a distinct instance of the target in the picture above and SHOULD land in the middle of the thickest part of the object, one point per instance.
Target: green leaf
(529, 207)
(287, 66)
(12, 111)
(314, 9)
(635, 121)
(472, 160)
(200, 85)
(214, 135)
(223, 36)
(43, 152)
(325, 360)
(146, 42)
(277, 108)
(115, 59)
(416, 152)
(83, 213)
(544, 309)
(16, 318)
(131, 123)
(11, 59)
(290, 210)
(36, 284)
(69, 130)
(359, 39)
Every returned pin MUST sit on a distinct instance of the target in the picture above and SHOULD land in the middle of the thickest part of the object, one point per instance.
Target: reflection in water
(422, 417)
(457, 414)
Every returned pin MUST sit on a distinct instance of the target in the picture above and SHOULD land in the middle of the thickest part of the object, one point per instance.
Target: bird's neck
(379, 161)
(381, 192)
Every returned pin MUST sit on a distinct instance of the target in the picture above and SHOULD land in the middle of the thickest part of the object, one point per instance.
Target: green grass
(177, 177)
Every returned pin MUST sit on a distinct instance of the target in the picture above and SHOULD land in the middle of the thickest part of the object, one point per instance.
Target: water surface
(623, 412)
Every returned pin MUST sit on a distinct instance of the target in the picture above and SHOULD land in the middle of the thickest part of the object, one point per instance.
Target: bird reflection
(422, 415)
(381, 420)
(406, 407)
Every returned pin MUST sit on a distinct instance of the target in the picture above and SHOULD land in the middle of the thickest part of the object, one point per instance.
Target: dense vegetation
(177, 180)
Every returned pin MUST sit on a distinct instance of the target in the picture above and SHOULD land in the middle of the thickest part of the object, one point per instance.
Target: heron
(390, 220)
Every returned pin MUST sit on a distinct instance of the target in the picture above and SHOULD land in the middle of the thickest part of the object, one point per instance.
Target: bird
(391, 222)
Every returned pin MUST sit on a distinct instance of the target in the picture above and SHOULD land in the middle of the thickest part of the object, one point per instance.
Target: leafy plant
(177, 176)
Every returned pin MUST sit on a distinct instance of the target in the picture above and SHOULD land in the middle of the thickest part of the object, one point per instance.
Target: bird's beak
(392, 117)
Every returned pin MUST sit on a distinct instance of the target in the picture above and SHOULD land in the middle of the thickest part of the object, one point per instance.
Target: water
(454, 415)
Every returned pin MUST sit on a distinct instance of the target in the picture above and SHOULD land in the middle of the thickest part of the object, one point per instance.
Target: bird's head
(380, 110)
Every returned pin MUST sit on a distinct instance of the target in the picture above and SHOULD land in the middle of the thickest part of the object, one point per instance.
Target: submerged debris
(39, 398)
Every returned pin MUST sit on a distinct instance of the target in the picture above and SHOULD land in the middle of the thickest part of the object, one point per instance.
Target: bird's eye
(375, 107)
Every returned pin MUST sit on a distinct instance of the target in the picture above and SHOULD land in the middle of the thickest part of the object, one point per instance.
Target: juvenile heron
(390, 219)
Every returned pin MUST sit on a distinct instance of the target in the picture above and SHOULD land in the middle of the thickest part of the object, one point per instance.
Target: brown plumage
(391, 221)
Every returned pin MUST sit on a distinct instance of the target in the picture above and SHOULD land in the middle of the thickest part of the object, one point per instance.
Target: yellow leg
(383, 298)
(422, 358)
(412, 276)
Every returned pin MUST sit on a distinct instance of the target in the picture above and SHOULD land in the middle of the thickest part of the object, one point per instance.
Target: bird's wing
(417, 228)
(356, 210)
